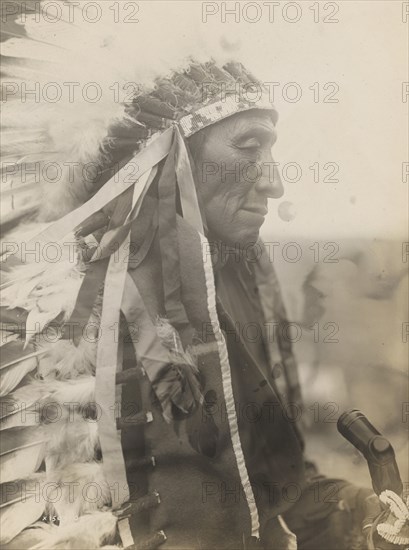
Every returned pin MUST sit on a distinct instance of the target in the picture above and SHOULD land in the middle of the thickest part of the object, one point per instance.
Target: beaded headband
(209, 114)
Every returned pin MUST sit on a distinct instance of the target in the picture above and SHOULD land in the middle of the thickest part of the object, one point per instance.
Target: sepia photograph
(204, 287)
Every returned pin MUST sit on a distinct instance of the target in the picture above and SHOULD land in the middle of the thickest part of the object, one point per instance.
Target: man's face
(235, 175)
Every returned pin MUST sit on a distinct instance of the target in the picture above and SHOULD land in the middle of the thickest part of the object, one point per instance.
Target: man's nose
(270, 183)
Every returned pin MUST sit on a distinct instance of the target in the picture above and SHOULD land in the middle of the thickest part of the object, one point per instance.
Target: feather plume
(74, 129)
(35, 402)
(44, 286)
(12, 375)
(6, 336)
(89, 531)
(61, 495)
(37, 320)
(18, 516)
(24, 504)
(22, 407)
(22, 452)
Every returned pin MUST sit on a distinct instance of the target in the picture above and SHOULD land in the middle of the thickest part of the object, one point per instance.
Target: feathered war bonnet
(83, 170)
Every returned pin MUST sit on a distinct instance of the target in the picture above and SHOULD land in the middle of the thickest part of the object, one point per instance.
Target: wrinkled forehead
(265, 118)
(231, 128)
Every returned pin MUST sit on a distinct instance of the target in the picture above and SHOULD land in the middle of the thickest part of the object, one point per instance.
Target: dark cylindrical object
(124, 422)
(150, 543)
(377, 450)
(135, 373)
(139, 505)
(137, 463)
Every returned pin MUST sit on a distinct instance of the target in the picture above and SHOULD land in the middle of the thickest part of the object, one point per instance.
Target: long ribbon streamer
(107, 356)
(113, 238)
(187, 189)
(168, 241)
(107, 359)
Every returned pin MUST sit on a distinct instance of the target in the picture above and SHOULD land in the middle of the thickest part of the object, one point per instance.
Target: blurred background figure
(351, 344)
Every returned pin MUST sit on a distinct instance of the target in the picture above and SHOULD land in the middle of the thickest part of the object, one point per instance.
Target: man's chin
(243, 239)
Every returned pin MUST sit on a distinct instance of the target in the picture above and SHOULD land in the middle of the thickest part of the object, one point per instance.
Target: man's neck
(222, 253)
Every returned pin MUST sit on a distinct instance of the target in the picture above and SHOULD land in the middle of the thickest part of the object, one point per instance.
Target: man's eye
(251, 143)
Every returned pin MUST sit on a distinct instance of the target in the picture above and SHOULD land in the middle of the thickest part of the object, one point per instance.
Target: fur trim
(73, 441)
(89, 531)
(76, 489)
(64, 360)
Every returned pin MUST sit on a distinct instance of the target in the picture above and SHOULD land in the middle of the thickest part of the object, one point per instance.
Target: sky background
(365, 133)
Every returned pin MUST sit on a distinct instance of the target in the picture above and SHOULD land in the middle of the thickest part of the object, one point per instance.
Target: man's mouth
(261, 209)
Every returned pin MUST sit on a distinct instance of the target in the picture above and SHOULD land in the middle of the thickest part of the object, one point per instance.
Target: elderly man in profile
(196, 405)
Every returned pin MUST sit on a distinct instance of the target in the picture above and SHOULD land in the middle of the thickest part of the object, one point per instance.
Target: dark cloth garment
(321, 518)
(203, 502)
(309, 504)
